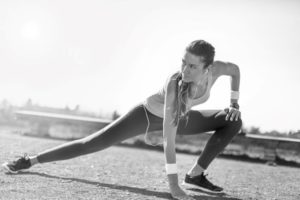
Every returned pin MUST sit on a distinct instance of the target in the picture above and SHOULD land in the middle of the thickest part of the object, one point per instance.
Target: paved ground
(130, 173)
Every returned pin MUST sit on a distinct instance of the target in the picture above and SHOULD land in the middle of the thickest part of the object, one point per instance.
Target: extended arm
(169, 135)
(169, 131)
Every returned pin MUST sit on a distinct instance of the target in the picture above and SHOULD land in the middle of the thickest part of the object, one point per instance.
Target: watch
(235, 105)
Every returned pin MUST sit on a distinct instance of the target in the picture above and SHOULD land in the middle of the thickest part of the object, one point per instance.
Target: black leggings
(135, 122)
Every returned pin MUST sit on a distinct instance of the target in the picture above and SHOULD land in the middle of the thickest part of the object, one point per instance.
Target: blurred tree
(28, 104)
(77, 108)
(243, 131)
(274, 133)
(67, 109)
(115, 115)
(254, 130)
(4, 104)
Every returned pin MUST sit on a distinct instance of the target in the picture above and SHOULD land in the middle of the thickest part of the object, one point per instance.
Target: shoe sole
(202, 188)
(4, 165)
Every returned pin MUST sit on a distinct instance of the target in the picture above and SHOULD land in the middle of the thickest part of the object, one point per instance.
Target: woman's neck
(198, 88)
(201, 82)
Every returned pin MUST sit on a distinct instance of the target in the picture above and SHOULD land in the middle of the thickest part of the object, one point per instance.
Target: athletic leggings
(136, 121)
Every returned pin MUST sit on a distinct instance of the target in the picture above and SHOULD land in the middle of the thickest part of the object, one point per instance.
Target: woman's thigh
(200, 121)
(133, 123)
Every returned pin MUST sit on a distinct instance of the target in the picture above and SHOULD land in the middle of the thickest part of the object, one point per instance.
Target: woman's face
(192, 68)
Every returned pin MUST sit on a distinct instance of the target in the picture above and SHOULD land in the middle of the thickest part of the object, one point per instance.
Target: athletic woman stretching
(168, 110)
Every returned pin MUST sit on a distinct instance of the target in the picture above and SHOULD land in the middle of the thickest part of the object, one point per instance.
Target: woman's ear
(206, 71)
(209, 67)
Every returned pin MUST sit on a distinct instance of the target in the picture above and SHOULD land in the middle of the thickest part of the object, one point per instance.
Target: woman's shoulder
(222, 68)
(174, 76)
(171, 80)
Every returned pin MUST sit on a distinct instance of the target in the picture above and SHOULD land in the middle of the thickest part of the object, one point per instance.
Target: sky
(111, 55)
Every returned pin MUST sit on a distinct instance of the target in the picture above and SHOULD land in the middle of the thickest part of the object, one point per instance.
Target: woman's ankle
(196, 170)
(33, 160)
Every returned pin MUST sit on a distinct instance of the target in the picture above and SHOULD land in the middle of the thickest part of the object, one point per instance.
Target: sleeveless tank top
(155, 102)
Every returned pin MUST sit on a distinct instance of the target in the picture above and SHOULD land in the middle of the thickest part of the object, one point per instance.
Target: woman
(168, 110)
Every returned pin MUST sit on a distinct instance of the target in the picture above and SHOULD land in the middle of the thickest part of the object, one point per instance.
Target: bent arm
(235, 81)
(232, 70)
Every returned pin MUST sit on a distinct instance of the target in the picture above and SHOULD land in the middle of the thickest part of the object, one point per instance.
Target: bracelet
(235, 94)
(171, 168)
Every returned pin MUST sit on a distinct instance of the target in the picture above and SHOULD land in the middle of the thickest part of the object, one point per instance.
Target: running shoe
(201, 182)
(23, 162)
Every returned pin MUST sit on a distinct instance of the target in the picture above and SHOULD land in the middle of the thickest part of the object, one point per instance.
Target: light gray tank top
(155, 102)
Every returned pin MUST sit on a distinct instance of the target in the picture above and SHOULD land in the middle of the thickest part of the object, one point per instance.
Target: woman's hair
(198, 48)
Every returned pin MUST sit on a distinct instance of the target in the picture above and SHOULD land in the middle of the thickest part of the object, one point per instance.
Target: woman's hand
(232, 114)
(178, 193)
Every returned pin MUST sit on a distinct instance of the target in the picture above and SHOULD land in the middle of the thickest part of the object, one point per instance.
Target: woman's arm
(169, 135)
(232, 70)
(169, 130)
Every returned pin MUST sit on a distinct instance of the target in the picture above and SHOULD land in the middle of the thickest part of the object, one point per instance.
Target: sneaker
(201, 182)
(17, 165)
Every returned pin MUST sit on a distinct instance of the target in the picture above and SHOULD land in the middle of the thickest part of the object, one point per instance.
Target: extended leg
(133, 123)
(129, 125)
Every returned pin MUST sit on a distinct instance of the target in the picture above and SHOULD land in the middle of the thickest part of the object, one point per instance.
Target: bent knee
(238, 123)
(235, 125)
(222, 116)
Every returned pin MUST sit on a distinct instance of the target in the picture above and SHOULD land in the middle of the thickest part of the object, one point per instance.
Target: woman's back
(155, 102)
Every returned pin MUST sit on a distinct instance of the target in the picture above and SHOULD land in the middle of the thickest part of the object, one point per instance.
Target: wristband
(171, 168)
(235, 94)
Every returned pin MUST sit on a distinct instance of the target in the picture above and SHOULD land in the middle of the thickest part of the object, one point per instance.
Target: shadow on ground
(142, 191)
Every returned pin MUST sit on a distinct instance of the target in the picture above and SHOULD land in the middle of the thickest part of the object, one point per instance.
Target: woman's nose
(185, 69)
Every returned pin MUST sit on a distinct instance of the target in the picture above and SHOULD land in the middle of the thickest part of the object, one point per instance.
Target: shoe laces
(25, 156)
(21, 159)
(205, 179)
